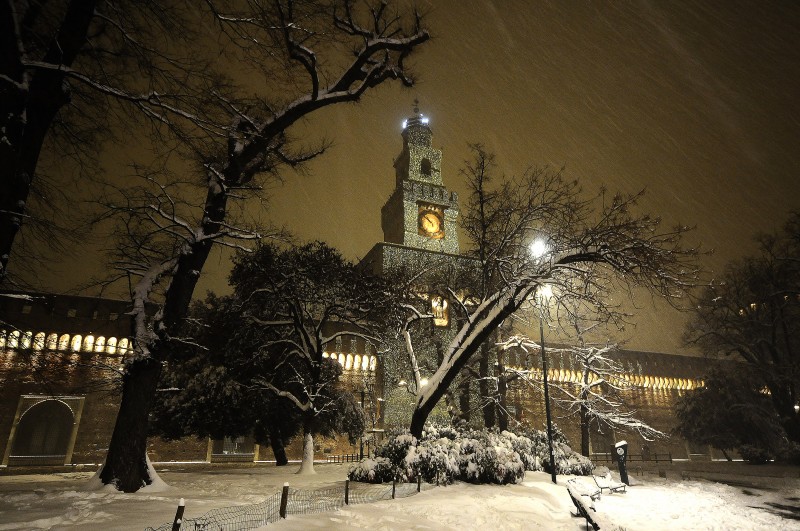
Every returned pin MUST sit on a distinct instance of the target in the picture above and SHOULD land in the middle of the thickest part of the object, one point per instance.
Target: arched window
(44, 430)
(348, 364)
(25, 343)
(100, 344)
(13, 339)
(38, 341)
(122, 346)
(357, 362)
(63, 342)
(365, 362)
(111, 345)
(2, 339)
(75, 344)
(88, 343)
(425, 167)
(52, 342)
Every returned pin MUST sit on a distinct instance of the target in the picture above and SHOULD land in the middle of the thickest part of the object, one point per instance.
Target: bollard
(284, 499)
(394, 484)
(419, 482)
(347, 492)
(176, 524)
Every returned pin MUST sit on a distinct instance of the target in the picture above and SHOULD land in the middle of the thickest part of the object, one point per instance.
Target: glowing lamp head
(539, 248)
(423, 382)
(545, 291)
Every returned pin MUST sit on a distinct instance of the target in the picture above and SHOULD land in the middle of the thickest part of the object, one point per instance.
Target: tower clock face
(430, 223)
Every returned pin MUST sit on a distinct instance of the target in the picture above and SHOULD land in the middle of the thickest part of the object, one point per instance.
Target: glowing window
(88, 343)
(75, 344)
(100, 344)
(123, 345)
(2, 339)
(348, 364)
(372, 362)
(357, 362)
(365, 363)
(25, 342)
(111, 345)
(52, 342)
(440, 311)
(13, 339)
(63, 342)
(38, 341)
(341, 359)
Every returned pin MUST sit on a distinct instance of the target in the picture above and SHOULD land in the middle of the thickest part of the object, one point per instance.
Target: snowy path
(61, 501)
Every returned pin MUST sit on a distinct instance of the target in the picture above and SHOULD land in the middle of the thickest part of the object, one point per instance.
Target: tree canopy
(751, 313)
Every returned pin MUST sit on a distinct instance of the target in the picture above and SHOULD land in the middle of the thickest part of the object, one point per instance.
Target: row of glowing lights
(77, 343)
(653, 382)
(568, 376)
(353, 362)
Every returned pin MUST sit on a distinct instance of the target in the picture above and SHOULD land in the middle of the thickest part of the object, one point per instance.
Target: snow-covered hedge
(447, 454)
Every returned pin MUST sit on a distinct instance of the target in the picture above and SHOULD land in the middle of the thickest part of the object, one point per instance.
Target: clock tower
(421, 213)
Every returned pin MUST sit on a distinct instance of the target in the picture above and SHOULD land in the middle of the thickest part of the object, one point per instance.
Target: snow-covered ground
(62, 501)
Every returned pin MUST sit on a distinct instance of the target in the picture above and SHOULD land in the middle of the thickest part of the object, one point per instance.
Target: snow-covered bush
(390, 461)
(378, 470)
(435, 460)
(447, 454)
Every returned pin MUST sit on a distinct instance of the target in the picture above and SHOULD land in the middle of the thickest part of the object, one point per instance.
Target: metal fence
(295, 502)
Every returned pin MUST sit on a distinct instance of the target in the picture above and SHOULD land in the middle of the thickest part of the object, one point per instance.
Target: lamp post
(544, 294)
(538, 249)
(361, 444)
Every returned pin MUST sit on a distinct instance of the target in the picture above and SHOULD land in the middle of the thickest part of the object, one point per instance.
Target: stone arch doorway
(44, 431)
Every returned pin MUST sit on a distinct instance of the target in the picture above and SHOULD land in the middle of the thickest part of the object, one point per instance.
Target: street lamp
(539, 249)
(544, 294)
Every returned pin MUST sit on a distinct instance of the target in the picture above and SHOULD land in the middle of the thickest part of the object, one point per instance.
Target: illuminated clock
(430, 223)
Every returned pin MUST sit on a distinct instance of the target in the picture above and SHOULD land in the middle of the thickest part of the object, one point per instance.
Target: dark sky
(695, 101)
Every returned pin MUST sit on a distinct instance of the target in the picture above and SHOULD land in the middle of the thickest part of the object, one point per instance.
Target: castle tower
(421, 212)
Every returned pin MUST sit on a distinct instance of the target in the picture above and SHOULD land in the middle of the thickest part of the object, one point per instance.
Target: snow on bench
(604, 481)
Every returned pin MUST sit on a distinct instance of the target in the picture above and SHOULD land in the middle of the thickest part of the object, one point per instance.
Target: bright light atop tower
(405, 123)
(424, 119)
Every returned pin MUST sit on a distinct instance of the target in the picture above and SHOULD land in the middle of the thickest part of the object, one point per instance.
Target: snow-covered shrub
(435, 460)
(447, 454)
(378, 470)
(567, 461)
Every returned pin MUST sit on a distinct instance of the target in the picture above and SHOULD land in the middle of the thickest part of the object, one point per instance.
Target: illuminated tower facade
(421, 213)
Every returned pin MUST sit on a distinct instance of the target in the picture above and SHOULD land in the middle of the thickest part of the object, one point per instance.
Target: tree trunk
(278, 449)
(463, 397)
(584, 430)
(28, 115)
(478, 329)
(502, 393)
(126, 462)
(487, 394)
(307, 464)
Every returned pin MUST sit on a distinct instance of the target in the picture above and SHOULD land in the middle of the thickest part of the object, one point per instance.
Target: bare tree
(171, 238)
(597, 397)
(594, 247)
(72, 72)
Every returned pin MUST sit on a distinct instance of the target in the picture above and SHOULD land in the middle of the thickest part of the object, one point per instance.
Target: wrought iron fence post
(419, 482)
(347, 492)
(284, 499)
(176, 524)
(394, 484)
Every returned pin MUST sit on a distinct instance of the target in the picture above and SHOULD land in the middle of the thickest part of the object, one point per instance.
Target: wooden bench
(604, 481)
(584, 509)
